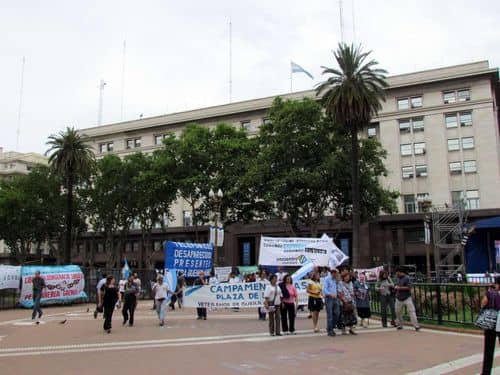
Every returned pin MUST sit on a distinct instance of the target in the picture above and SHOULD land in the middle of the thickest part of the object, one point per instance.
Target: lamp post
(424, 204)
(215, 200)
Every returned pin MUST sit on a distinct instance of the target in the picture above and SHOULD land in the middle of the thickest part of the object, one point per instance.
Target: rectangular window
(414, 235)
(246, 124)
(372, 132)
(403, 104)
(407, 172)
(419, 148)
(472, 199)
(406, 149)
(467, 143)
(187, 219)
(465, 118)
(404, 126)
(102, 147)
(159, 139)
(416, 101)
(409, 203)
(130, 144)
(456, 167)
(453, 144)
(451, 120)
(266, 120)
(463, 95)
(133, 143)
(137, 142)
(449, 97)
(135, 246)
(470, 166)
(110, 146)
(421, 170)
(457, 199)
(418, 124)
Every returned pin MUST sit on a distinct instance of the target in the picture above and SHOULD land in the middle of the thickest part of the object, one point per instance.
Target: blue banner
(189, 258)
(63, 284)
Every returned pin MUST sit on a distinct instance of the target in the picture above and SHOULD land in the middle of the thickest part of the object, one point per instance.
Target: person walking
(362, 300)
(332, 305)
(315, 300)
(161, 292)
(288, 305)
(385, 286)
(98, 290)
(491, 301)
(272, 303)
(108, 296)
(346, 294)
(201, 311)
(39, 285)
(403, 298)
(130, 293)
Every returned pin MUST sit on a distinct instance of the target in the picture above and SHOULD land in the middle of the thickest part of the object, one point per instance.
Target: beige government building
(440, 128)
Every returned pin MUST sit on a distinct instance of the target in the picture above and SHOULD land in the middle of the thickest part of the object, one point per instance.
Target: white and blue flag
(125, 270)
(296, 68)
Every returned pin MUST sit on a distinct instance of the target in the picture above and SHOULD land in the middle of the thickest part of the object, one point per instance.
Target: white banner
(220, 236)
(212, 235)
(371, 274)
(294, 251)
(10, 277)
(242, 295)
(222, 273)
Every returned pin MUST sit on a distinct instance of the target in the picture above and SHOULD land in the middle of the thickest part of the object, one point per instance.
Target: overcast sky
(177, 52)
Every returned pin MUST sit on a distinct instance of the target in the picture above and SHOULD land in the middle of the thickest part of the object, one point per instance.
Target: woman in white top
(161, 292)
(262, 278)
(272, 303)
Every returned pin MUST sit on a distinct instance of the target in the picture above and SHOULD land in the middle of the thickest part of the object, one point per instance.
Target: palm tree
(351, 96)
(73, 160)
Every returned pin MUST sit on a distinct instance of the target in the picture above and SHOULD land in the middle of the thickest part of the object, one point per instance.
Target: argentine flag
(296, 68)
(125, 270)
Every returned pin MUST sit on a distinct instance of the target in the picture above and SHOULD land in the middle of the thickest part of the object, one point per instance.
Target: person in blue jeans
(332, 305)
(38, 287)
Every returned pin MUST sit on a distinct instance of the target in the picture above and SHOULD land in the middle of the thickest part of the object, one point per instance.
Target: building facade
(440, 128)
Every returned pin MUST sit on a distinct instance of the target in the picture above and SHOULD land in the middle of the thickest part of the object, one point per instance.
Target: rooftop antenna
(230, 61)
(101, 93)
(341, 10)
(21, 91)
(123, 80)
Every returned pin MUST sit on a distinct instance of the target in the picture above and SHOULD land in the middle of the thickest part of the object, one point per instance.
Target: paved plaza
(69, 341)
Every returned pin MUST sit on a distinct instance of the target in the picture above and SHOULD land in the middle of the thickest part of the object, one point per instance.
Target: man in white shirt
(98, 290)
(280, 274)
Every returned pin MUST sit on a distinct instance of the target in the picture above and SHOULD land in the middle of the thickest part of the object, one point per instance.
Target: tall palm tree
(351, 95)
(73, 160)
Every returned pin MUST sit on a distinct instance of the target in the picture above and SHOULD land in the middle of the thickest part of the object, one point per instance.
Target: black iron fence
(441, 303)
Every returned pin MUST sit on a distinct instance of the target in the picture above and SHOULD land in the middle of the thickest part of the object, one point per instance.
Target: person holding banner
(161, 292)
(272, 303)
(38, 286)
(290, 298)
(315, 302)
(108, 296)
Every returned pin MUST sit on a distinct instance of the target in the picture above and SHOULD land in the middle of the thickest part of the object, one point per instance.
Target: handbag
(487, 319)
(272, 308)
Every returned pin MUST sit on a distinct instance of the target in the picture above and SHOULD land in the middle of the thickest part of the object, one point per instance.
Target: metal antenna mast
(21, 91)
(101, 93)
(341, 10)
(123, 80)
(230, 61)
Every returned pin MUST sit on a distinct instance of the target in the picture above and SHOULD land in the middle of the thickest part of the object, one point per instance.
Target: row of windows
(407, 125)
(469, 166)
(418, 171)
(449, 97)
(417, 148)
(416, 124)
(469, 199)
(454, 143)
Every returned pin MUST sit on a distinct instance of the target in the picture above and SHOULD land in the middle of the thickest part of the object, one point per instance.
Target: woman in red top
(288, 306)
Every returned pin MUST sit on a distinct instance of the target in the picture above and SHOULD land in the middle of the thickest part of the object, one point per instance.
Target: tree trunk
(69, 218)
(356, 220)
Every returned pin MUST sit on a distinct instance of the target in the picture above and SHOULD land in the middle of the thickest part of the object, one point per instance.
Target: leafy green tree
(73, 160)
(351, 96)
(31, 211)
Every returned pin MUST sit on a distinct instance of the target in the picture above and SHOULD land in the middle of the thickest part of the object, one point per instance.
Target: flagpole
(291, 79)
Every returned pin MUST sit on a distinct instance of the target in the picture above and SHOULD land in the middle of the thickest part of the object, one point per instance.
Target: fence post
(439, 305)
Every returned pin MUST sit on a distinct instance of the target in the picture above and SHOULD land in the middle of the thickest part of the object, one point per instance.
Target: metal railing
(441, 303)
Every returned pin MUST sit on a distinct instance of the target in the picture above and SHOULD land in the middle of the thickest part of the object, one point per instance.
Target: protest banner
(222, 273)
(241, 295)
(371, 274)
(64, 284)
(287, 251)
(10, 277)
(189, 258)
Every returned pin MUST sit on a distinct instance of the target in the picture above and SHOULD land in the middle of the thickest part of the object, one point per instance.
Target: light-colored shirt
(280, 276)
(100, 284)
(273, 293)
(234, 280)
(121, 285)
(161, 290)
(329, 286)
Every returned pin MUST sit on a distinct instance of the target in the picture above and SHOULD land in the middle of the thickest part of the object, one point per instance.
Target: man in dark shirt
(403, 298)
(38, 287)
